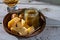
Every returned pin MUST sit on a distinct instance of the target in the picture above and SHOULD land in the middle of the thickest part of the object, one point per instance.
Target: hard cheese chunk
(30, 30)
(23, 23)
(21, 31)
(19, 24)
(14, 29)
(13, 22)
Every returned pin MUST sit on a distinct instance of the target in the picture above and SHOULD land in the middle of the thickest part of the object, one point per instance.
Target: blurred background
(56, 2)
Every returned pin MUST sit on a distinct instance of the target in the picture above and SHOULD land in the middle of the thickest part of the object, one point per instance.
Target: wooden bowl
(7, 18)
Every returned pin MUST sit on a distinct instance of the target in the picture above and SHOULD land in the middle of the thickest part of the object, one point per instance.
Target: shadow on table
(52, 22)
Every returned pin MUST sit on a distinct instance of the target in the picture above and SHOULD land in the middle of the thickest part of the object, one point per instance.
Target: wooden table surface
(51, 31)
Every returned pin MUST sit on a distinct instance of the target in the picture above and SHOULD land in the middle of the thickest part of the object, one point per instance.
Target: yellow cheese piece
(30, 30)
(22, 31)
(14, 29)
(19, 24)
(13, 22)
(23, 23)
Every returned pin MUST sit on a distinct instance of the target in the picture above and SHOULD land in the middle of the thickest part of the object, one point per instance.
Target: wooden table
(51, 31)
